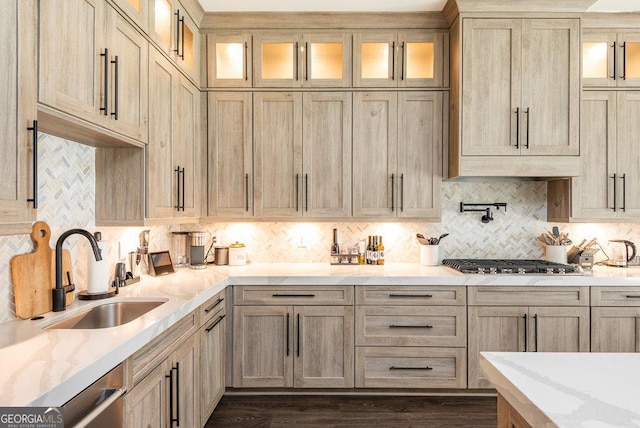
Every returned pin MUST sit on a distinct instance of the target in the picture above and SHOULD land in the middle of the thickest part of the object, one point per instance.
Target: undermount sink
(106, 315)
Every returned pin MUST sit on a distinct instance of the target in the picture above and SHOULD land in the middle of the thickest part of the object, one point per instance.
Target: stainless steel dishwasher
(100, 405)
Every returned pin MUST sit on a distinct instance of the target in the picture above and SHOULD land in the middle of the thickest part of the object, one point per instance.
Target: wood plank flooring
(354, 411)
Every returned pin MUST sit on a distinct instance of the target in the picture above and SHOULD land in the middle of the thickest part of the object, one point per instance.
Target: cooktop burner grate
(509, 266)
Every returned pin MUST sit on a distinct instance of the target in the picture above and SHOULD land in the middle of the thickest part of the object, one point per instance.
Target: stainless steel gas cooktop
(511, 266)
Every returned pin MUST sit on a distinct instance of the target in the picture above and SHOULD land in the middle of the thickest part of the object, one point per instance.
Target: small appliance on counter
(197, 251)
(511, 266)
(623, 252)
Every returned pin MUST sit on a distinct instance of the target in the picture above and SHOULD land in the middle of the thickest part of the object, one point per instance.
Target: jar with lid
(237, 254)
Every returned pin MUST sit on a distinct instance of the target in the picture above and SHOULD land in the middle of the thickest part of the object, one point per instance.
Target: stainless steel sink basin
(107, 315)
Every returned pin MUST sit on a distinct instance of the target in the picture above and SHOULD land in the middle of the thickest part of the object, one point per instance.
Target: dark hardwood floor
(354, 411)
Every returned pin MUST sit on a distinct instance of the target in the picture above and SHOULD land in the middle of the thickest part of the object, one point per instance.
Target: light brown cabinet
(615, 319)
(18, 114)
(397, 154)
(174, 143)
(302, 60)
(610, 157)
(525, 320)
(314, 161)
(213, 351)
(137, 11)
(295, 338)
(229, 61)
(610, 58)
(408, 59)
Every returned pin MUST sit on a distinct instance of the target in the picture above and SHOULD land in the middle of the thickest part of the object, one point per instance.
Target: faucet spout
(59, 299)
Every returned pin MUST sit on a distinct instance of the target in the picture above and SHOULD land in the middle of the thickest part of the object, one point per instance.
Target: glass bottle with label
(380, 251)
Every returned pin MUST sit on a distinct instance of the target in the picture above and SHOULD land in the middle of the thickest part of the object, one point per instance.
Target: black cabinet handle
(293, 295)
(410, 326)
(306, 61)
(525, 333)
(288, 334)
(170, 377)
(306, 192)
(410, 368)
(182, 40)
(177, 171)
(183, 189)
(614, 61)
(528, 117)
(632, 297)
(246, 67)
(114, 113)
(412, 295)
(177, 49)
(393, 60)
(404, 63)
(615, 191)
(246, 192)
(298, 336)
(295, 55)
(393, 194)
(624, 192)
(212, 307)
(401, 192)
(212, 326)
(105, 83)
(34, 129)
(517, 112)
(535, 331)
(297, 191)
(177, 394)
(624, 61)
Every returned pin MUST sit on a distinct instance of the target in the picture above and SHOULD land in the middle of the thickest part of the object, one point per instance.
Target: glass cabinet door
(598, 52)
(327, 60)
(137, 10)
(162, 28)
(374, 60)
(421, 60)
(277, 61)
(188, 41)
(630, 58)
(229, 60)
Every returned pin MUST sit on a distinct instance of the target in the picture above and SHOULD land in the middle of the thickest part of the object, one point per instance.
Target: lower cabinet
(508, 417)
(509, 324)
(615, 319)
(306, 345)
(212, 358)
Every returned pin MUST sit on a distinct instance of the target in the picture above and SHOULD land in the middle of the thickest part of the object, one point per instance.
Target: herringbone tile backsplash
(67, 199)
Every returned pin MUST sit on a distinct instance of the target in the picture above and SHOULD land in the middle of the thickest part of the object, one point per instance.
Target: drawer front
(211, 307)
(410, 295)
(384, 367)
(293, 295)
(615, 296)
(528, 296)
(411, 326)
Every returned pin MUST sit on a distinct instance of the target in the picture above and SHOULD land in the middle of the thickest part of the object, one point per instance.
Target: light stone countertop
(48, 367)
(581, 390)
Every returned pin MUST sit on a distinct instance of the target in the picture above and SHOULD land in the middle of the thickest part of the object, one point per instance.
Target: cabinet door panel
(327, 154)
(263, 346)
(327, 60)
(162, 25)
(374, 154)
(276, 61)
(229, 60)
(422, 59)
(499, 329)
(558, 329)
(419, 153)
(550, 87)
(374, 60)
(615, 329)
(628, 129)
(324, 347)
(629, 63)
(212, 364)
(597, 58)
(186, 360)
(230, 151)
(278, 154)
(137, 11)
(186, 149)
(146, 404)
(491, 86)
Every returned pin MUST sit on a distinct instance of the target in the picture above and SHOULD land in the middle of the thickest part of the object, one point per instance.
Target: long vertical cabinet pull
(525, 332)
(527, 113)
(296, 54)
(114, 113)
(615, 191)
(614, 61)
(288, 334)
(246, 192)
(393, 60)
(517, 127)
(181, 55)
(624, 61)
(535, 330)
(306, 192)
(34, 128)
(393, 193)
(105, 86)
(177, 171)
(624, 192)
(306, 61)
(177, 394)
(170, 377)
(183, 189)
(246, 69)
(177, 49)
(297, 192)
(403, 68)
(298, 336)
(401, 192)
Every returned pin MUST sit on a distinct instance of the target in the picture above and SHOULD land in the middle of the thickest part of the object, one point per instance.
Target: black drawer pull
(212, 326)
(633, 297)
(410, 368)
(412, 295)
(293, 295)
(410, 326)
(210, 308)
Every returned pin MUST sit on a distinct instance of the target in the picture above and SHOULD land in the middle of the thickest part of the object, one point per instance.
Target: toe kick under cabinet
(411, 337)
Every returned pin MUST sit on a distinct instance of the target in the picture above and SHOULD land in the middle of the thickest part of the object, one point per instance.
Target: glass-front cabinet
(391, 60)
(137, 10)
(229, 60)
(302, 60)
(610, 58)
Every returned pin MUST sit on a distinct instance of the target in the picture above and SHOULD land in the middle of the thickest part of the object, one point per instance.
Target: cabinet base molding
(408, 392)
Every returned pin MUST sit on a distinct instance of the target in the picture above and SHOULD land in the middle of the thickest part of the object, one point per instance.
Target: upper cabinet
(392, 60)
(302, 60)
(137, 11)
(175, 33)
(610, 58)
(18, 142)
(519, 97)
(229, 61)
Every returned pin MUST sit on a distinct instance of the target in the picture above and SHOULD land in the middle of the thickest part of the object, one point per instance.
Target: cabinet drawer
(211, 307)
(384, 367)
(615, 296)
(410, 296)
(528, 296)
(410, 326)
(145, 360)
(293, 295)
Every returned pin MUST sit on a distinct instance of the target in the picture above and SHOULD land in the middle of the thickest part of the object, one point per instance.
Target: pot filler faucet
(59, 299)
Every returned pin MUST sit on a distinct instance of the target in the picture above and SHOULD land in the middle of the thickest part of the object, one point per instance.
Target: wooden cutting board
(31, 274)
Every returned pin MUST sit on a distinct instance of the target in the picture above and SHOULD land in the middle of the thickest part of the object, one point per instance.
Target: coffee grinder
(197, 250)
